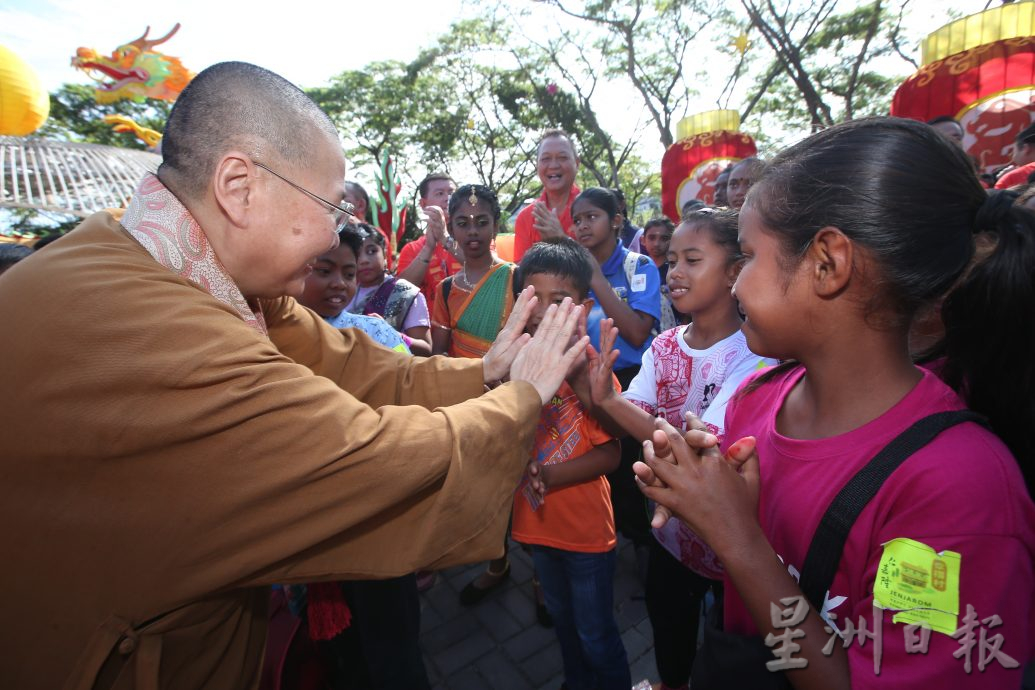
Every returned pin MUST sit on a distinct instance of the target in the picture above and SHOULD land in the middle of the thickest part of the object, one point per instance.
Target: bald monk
(179, 434)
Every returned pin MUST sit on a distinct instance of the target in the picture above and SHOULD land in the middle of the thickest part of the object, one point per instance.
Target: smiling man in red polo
(550, 216)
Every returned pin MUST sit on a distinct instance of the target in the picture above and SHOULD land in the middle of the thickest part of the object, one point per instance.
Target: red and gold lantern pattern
(690, 166)
(981, 71)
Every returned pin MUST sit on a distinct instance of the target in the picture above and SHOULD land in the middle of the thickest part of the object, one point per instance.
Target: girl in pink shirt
(846, 235)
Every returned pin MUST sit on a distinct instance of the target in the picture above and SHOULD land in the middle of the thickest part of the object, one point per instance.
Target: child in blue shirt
(372, 638)
(626, 288)
(332, 285)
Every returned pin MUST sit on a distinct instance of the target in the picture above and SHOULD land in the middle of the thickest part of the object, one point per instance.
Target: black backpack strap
(447, 285)
(828, 543)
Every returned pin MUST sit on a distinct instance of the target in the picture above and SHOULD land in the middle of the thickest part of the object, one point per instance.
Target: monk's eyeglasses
(342, 214)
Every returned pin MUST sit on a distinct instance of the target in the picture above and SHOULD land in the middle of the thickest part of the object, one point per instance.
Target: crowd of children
(823, 271)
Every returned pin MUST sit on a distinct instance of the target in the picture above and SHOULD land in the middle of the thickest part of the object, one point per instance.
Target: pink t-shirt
(962, 492)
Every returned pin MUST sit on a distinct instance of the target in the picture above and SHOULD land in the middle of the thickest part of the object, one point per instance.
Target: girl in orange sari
(470, 309)
(472, 305)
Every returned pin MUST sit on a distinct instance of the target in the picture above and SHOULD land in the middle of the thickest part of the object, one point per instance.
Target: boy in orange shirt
(563, 507)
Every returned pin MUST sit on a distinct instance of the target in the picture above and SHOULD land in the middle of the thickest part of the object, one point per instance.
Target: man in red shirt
(550, 216)
(1023, 160)
(430, 259)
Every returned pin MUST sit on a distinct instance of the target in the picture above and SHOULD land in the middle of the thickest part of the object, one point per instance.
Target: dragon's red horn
(140, 42)
(143, 44)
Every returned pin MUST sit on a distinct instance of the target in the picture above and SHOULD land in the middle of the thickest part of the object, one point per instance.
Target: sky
(305, 41)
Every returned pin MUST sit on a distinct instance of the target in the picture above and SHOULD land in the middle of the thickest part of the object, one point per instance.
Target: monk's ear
(831, 255)
(234, 186)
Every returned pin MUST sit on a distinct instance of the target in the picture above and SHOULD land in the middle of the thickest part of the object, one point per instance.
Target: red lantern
(981, 71)
(691, 165)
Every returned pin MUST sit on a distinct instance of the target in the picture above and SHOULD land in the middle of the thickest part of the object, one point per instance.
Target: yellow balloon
(24, 103)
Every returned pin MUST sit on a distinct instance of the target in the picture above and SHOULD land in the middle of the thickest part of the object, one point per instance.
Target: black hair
(352, 236)
(10, 254)
(1027, 135)
(47, 239)
(559, 134)
(691, 205)
(943, 118)
(422, 188)
(722, 223)
(462, 195)
(604, 199)
(1025, 194)
(620, 195)
(238, 105)
(357, 189)
(914, 203)
(562, 257)
(365, 231)
(663, 221)
(754, 164)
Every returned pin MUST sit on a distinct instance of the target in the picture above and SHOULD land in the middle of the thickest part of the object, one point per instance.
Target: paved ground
(498, 645)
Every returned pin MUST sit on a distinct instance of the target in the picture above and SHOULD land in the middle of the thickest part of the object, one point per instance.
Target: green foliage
(644, 44)
(392, 106)
(831, 66)
(26, 221)
(76, 116)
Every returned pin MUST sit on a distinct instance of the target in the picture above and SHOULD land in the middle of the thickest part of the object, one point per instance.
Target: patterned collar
(166, 229)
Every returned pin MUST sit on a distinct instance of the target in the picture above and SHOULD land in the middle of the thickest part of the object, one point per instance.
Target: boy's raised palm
(601, 364)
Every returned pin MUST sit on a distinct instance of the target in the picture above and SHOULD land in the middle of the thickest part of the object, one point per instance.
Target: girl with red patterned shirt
(688, 369)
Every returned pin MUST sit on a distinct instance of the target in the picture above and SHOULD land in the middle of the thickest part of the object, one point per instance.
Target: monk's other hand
(497, 361)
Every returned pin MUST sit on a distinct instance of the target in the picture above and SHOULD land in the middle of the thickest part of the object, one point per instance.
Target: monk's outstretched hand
(545, 360)
(512, 337)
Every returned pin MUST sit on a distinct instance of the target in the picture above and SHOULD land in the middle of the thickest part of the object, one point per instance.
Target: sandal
(472, 593)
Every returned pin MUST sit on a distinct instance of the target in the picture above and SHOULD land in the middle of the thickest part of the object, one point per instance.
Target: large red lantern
(708, 142)
(981, 71)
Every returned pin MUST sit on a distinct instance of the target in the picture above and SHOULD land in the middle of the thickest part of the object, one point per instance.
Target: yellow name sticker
(924, 586)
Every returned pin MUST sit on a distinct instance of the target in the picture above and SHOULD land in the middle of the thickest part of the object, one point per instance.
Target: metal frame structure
(64, 177)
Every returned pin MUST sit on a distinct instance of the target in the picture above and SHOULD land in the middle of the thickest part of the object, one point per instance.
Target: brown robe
(163, 463)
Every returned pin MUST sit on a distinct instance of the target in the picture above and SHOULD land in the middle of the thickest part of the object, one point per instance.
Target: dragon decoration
(134, 71)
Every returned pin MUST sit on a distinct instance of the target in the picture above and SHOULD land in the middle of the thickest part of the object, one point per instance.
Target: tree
(645, 42)
(498, 140)
(396, 107)
(30, 221)
(76, 116)
(822, 70)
